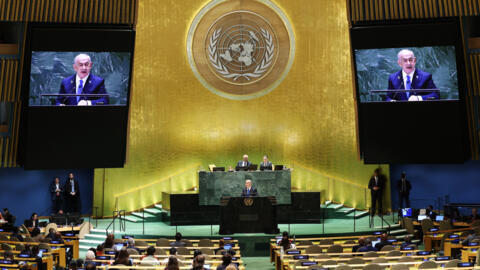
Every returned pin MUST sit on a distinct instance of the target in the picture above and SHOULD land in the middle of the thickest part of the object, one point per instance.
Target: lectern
(248, 215)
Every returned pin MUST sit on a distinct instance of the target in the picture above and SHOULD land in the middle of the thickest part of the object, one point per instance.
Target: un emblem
(248, 201)
(240, 49)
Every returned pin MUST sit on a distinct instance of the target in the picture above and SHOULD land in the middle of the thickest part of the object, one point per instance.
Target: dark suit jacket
(420, 80)
(68, 188)
(53, 187)
(93, 85)
(380, 183)
(366, 249)
(407, 185)
(253, 192)
(267, 166)
(239, 164)
(31, 223)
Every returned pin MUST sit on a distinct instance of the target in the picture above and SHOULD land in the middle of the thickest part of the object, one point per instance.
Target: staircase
(155, 213)
(341, 212)
(93, 239)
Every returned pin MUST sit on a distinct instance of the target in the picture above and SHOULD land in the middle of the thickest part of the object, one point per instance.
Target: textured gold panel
(308, 121)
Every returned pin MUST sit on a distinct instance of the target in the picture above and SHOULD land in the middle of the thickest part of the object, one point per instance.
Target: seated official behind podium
(243, 164)
(249, 191)
(266, 165)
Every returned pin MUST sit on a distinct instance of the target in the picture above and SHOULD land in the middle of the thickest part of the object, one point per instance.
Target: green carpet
(332, 226)
(258, 263)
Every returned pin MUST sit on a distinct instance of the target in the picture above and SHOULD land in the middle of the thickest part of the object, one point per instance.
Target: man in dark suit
(9, 218)
(376, 185)
(243, 164)
(266, 165)
(410, 78)
(72, 194)
(404, 187)
(82, 83)
(249, 191)
(56, 192)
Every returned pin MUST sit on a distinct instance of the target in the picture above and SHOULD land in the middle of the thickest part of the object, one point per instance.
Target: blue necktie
(79, 90)
(248, 192)
(73, 186)
(407, 86)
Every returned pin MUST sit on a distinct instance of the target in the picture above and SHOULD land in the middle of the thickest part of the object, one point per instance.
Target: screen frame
(423, 33)
(62, 38)
(375, 147)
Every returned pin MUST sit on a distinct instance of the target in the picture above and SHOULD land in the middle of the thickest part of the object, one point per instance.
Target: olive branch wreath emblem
(223, 70)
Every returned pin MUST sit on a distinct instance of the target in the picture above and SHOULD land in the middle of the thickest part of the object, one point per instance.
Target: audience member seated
(173, 253)
(383, 241)
(172, 264)
(8, 256)
(221, 244)
(79, 264)
(51, 233)
(33, 222)
(38, 260)
(368, 246)
(178, 241)
(36, 236)
(9, 218)
(471, 237)
(15, 236)
(430, 213)
(123, 258)
(196, 253)
(131, 244)
(361, 243)
(90, 266)
(89, 256)
(285, 243)
(226, 261)
(150, 258)
(231, 267)
(58, 238)
(198, 262)
(109, 241)
(407, 242)
(99, 250)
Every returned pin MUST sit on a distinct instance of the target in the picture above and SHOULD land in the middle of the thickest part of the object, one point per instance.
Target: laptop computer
(439, 218)
(253, 167)
(278, 167)
(421, 217)
(218, 169)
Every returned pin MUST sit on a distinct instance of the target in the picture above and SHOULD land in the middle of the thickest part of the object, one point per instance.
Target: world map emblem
(240, 49)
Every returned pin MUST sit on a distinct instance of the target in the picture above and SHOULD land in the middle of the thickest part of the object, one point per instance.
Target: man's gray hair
(403, 52)
(248, 180)
(81, 55)
(131, 241)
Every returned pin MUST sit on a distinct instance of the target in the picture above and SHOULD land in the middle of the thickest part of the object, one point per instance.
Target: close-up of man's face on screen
(79, 78)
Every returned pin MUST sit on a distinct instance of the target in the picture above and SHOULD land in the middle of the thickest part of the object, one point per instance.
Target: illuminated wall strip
(370, 10)
(72, 11)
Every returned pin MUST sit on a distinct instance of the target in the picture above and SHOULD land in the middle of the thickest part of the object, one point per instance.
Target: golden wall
(177, 126)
